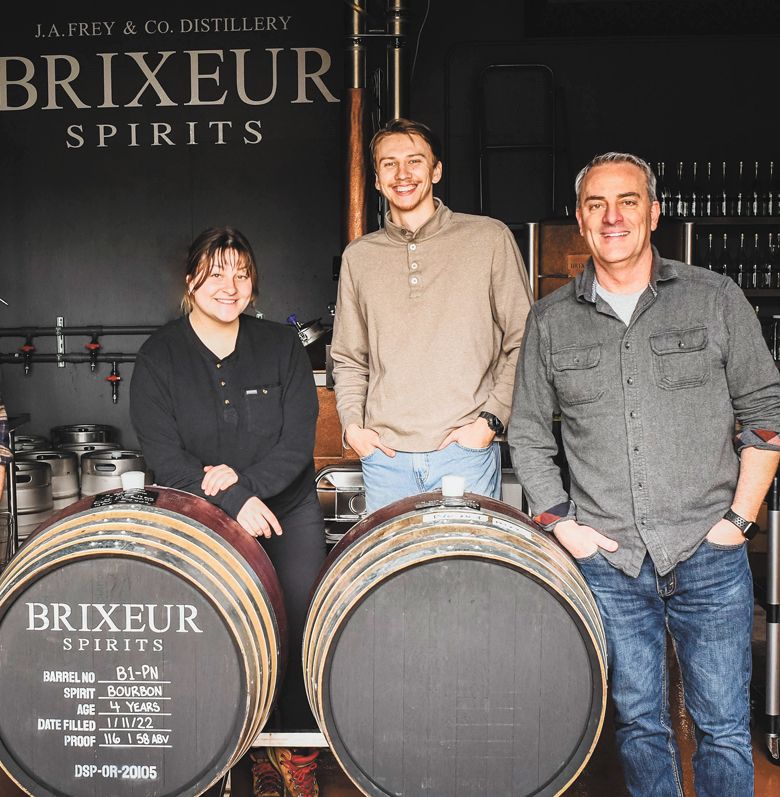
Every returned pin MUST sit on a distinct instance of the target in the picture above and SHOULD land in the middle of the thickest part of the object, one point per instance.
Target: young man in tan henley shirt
(429, 321)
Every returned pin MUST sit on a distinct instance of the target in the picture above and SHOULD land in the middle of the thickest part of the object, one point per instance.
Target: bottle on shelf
(774, 192)
(767, 280)
(748, 193)
(776, 263)
(758, 193)
(724, 260)
(721, 206)
(695, 208)
(736, 206)
(690, 203)
(767, 200)
(662, 189)
(740, 272)
(705, 192)
(678, 197)
(756, 261)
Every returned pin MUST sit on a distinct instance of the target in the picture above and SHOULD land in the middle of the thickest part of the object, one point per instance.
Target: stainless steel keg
(102, 470)
(34, 502)
(30, 442)
(79, 449)
(64, 473)
(83, 433)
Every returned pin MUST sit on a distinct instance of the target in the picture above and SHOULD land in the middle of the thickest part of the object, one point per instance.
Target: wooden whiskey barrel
(452, 647)
(142, 640)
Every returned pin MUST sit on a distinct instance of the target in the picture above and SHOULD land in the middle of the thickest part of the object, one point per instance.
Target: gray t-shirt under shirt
(622, 303)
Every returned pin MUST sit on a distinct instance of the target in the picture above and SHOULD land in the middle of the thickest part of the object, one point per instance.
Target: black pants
(297, 556)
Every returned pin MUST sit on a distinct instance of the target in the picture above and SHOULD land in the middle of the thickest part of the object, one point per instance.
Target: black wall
(97, 234)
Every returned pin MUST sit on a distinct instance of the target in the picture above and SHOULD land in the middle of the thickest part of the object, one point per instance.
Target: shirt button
(628, 345)
(414, 280)
(413, 266)
(227, 401)
(632, 414)
(639, 485)
(630, 380)
(636, 450)
(222, 382)
(219, 365)
(412, 247)
(644, 522)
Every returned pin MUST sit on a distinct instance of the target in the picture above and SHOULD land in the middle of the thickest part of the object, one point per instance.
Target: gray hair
(618, 157)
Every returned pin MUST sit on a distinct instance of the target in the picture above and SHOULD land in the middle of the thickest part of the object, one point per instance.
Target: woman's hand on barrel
(581, 541)
(218, 478)
(257, 519)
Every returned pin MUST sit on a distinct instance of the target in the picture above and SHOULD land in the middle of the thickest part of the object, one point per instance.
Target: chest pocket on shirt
(264, 410)
(680, 358)
(576, 374)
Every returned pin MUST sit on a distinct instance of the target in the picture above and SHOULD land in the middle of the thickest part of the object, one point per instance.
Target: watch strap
(493, 422)
(747, 527)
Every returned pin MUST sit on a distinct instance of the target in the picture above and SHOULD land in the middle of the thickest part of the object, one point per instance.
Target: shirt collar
(585, 283)
(438, 221)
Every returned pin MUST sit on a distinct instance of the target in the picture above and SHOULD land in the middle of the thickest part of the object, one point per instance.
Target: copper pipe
(355, 212)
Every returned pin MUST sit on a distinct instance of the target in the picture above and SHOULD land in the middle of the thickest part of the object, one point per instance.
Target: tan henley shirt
(428, 327)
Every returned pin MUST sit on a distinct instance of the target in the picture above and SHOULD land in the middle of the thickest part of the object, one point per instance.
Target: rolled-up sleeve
(751, 374)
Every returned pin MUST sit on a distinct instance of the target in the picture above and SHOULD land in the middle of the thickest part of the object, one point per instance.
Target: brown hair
(410, 128)
(209, 249)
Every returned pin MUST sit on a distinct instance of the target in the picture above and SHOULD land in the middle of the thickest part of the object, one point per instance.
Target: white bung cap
(452, 486)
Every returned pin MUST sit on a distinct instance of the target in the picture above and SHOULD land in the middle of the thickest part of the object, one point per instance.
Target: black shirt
(255, 410)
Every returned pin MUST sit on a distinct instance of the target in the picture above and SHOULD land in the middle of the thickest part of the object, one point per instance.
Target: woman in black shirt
(225, 407)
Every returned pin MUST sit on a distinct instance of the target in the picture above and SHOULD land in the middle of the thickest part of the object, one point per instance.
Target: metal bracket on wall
(60, 341)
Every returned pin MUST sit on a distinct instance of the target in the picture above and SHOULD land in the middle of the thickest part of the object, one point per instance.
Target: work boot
(266, 778)
(298, 770)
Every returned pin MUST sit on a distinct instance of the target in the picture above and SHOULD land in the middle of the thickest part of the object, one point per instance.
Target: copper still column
(355, 95)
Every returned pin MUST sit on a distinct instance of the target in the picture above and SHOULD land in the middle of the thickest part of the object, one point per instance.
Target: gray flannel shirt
(647, 411)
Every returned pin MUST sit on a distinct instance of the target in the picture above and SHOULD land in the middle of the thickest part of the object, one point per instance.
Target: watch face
(750, 531)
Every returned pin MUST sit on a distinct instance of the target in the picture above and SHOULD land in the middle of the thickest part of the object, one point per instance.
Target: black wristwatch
(748, 528)
(493, 423)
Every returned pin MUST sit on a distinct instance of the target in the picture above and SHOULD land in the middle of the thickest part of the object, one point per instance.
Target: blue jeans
(706, 602)
(389, 479)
